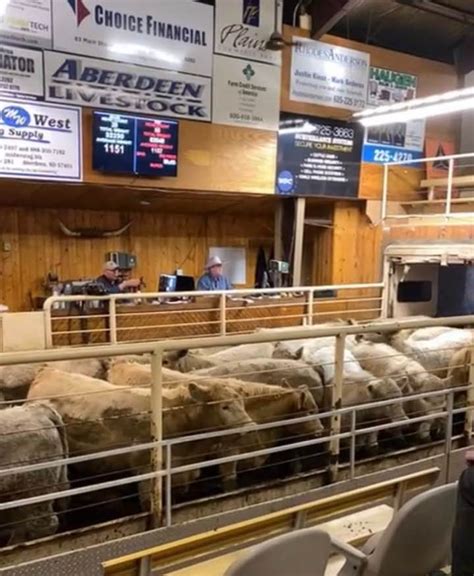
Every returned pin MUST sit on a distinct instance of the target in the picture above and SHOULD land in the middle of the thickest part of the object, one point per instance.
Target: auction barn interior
(236, 287)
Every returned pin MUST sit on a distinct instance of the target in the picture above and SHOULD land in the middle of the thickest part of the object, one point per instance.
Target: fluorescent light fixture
(437, 105)
(3, 7)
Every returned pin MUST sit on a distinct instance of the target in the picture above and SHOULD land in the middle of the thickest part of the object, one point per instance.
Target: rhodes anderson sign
(103, 84)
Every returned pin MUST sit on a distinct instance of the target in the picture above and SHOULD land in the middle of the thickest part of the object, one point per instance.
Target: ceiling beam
(325, 14)
(439, 9)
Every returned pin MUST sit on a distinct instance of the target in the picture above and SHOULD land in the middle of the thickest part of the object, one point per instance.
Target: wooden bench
(200, 547)
(458, 182)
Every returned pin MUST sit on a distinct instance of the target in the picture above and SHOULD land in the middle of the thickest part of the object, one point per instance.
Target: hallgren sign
(243, 28)
(40, 142)
(102, 84)
(329, 75)
(170, 34)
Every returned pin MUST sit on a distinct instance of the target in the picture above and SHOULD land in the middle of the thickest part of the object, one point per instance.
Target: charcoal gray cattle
(31, 434)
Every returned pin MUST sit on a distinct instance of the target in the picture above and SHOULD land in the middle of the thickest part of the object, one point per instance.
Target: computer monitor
(184, 283)
(167, 283)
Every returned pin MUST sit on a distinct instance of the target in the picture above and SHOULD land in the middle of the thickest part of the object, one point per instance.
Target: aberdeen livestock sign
(102, 84)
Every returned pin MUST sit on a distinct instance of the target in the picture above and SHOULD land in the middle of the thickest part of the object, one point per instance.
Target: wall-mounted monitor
(134, 145)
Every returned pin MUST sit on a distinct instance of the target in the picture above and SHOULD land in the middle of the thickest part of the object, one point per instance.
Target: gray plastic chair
(416, 542)
(300, 553)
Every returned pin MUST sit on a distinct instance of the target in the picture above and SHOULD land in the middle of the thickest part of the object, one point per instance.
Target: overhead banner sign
(26, 22)
(40, 142)
(122, 87)
(318, 157)
(400, 141)
(158, 33)
(329, 75)
(243, 28)
(21, 72)
(246, 93)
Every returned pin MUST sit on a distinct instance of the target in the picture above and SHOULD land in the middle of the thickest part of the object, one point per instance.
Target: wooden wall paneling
(212, 157)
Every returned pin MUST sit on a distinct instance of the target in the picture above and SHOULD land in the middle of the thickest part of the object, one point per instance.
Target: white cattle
(433, 347)
(100, 416)
(31, 434)
(133, 374)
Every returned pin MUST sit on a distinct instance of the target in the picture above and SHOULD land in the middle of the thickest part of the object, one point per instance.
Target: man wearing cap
(213, 279)
(111, 282)
(463, 533)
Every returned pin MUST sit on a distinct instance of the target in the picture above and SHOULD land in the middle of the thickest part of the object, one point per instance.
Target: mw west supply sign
(126, 88)
(26, 22)
(329, 75)
(170, 34)
(40, 142)
(243, 28)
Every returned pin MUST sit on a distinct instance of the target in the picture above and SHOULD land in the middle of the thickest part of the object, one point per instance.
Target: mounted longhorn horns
(93, 232)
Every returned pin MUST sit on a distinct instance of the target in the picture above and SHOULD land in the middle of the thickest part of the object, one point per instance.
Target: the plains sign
(103, 84)
(21, 72)
(170, 34)
(243, 28)
(40, 142)
(26, 22)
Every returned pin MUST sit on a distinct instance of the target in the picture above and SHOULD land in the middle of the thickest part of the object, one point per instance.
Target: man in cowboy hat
(213, 279)
(463, 533)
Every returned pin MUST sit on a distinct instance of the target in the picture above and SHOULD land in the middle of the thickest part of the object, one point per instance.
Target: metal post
(222, 315)
(48, 326)
(353, 442)
(156, 435)
(277, 232)
(169, 501)
(384, 192)
(336, 404)
(469, 416)
(449, 192)
(449, 434)
(145, 566)
(310, 311)
(113, 321)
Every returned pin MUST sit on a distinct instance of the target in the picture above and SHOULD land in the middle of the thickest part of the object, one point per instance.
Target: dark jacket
(463, 533)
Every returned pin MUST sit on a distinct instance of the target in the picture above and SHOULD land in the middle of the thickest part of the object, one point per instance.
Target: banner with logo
(40, 142)
(243, 28)
(399, 141)
(329, 75)
(26, 22)
(21, 72)
(125, 88)
(246, 93)
(170, 34)
(318, 157)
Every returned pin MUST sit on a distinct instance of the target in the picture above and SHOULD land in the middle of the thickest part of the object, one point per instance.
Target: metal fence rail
(436, 198)
(152, 316)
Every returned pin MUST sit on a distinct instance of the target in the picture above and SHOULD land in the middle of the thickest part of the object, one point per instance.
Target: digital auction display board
(318, 157)
(135, 145)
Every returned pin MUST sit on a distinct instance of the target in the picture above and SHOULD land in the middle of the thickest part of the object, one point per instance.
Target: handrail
(224, 321)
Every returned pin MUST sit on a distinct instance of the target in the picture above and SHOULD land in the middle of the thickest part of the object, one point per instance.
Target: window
(414, 291)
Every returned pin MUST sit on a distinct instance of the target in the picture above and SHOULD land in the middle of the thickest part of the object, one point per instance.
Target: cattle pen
(324, 461)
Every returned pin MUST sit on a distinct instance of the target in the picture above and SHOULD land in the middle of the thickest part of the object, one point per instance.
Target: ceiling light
(437, 105)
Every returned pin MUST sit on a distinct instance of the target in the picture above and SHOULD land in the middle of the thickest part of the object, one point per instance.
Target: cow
(133, 374)
(434, 347)
(274, 371)
(189, 360)
(100, 416)
(384, 360)
(360, 387)
(31, 434)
